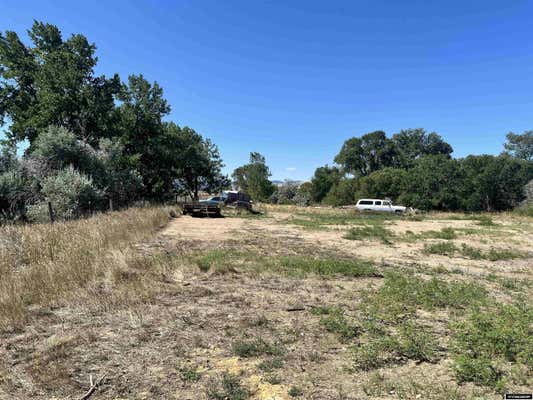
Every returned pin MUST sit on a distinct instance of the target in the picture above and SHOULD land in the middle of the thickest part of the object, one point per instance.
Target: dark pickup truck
(212, 207)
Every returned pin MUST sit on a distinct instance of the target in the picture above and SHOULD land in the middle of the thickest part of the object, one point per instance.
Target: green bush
(60, 148)
(13, 195)
(71, 193)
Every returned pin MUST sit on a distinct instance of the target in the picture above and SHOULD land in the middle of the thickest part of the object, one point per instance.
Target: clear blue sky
(294, 79)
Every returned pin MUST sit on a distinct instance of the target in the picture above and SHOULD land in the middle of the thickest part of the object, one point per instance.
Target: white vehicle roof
(372, 200)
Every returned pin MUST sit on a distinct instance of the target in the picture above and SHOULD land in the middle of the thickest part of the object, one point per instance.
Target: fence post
(51, 212)
(110, 204)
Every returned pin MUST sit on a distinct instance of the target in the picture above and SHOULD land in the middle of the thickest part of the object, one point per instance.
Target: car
(379, 205)
(213, 201)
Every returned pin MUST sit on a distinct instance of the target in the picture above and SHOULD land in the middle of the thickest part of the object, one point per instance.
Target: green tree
(118, 174)
(285, 193)
(385, 183)
(520, 146)
(494, 183)
(8, 156)
(199, 165)
(53, 83)
(412, 144)
(304, 196)
(323, 180)
(364, 155)
(434, 182)
(342, 192)
(253, 178)
(145, 135)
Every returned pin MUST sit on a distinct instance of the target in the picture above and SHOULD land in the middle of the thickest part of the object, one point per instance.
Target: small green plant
(485, 220)
(446, 233)
(257, 347)
(381, 347)
(401, 294)
(487, 339)
(295, 391)
(336, 322)
(190, 374)
(369, 232)
(376, 352)
(441, 248)
(219, 259)
(491, 255)
(270, 365)
(325, 310)
(416, 343)
(227, 387)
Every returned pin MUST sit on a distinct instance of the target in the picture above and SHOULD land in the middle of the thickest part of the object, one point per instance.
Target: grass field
(310, 303)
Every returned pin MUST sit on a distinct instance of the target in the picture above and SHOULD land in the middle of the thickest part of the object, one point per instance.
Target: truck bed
(201, 209)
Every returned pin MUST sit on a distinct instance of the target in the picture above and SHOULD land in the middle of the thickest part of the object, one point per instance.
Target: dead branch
(94, 386)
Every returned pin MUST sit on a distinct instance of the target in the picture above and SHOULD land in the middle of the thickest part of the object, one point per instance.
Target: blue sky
(294, 79)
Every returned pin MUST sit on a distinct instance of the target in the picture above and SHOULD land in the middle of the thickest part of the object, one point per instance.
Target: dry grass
(265, 308)
(51, 263)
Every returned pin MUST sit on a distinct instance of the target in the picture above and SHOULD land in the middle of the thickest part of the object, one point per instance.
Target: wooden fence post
(51, 212)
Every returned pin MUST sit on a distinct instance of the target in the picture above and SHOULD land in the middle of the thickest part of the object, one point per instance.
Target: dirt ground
(179, 344)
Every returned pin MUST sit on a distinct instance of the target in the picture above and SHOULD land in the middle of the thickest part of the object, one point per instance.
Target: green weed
(295, 391)
(370, 232)
(441, 248)
(270, 365)
(486, 339)
(257, 347)
(227, 387)
(336, 322)
(225, 261)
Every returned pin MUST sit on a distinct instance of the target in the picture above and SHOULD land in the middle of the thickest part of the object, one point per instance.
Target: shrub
(369, 232)
(254, 348)
(60, 148)
(441, 248)
(13, 194)
(227, 387)
(71, 193)
(295, 391)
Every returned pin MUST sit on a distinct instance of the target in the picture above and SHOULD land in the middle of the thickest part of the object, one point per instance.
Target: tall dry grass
(43, 265)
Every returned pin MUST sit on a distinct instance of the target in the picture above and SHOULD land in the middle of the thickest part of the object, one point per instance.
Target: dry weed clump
(43, 264)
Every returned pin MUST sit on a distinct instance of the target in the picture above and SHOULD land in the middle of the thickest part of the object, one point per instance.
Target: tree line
(414, 168)
(91, 139)
(95, 140)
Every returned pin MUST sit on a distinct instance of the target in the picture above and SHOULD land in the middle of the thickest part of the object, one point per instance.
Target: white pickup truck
(379, 205)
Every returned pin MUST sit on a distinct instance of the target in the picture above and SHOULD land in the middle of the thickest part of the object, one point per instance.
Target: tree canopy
(87, 131)
(253, 178)
(520, 146)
